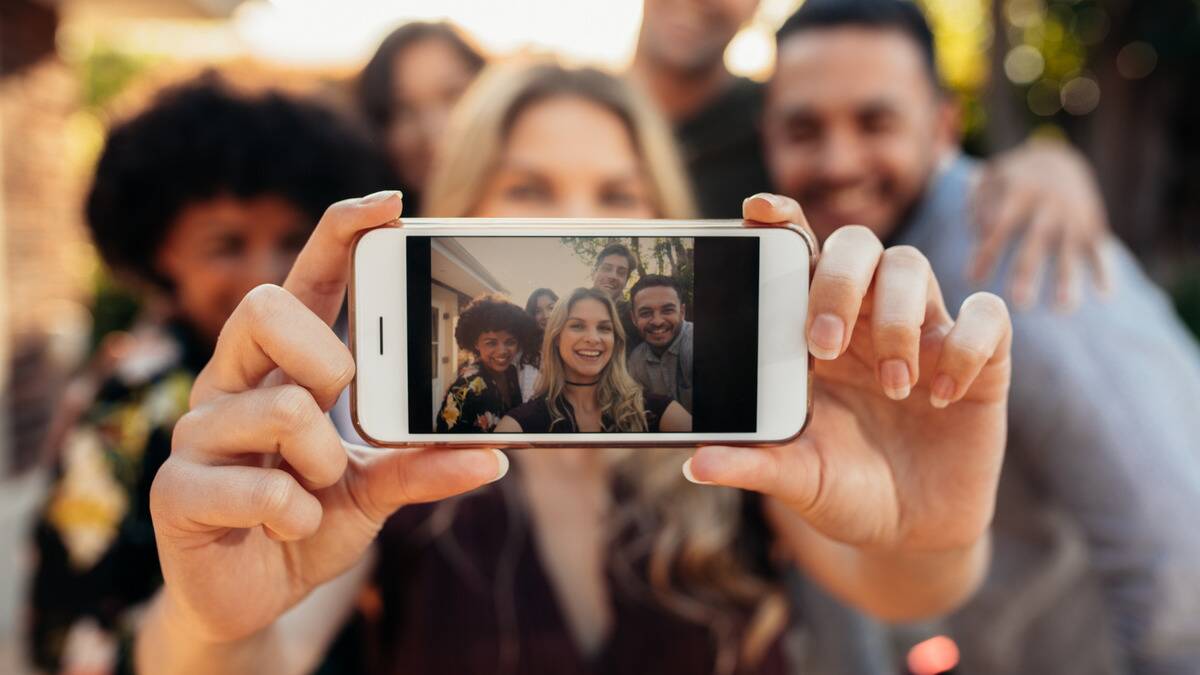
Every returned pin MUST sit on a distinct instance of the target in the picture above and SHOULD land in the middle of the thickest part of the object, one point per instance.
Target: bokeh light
(936, 655)
(1136, 60)
(1044, 98)
(1024, 64)
(1081, 95)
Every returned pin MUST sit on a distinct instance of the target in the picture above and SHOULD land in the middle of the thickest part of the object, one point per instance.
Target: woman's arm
(295, 643)
(675, 419)
(890, 585)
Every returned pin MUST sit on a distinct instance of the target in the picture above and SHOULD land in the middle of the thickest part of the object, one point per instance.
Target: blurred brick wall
(46, 260)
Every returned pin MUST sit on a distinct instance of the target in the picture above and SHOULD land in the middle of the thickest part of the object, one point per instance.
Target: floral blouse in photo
(474, 404)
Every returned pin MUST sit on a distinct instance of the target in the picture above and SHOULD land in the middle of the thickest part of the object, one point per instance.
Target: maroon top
(476, 599)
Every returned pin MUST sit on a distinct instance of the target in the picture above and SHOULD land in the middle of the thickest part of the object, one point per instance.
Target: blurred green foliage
(104, 74)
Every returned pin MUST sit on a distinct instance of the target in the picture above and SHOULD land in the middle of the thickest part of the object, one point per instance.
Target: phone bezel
(450, 227)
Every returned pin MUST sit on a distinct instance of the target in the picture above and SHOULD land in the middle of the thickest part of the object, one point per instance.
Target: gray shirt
(669, 373)
(1104, 426)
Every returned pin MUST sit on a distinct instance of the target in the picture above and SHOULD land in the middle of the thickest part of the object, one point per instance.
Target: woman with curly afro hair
(208, 192)
(496, 332)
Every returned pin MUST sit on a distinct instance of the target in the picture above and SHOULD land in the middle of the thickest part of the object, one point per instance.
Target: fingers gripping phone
(526, 333)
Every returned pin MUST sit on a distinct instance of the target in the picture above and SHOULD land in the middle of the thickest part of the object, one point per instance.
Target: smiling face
(496, 350)
(545, 305)
(658, 315)
(611, 275)
(586, 341)
(567, 157)
(220, 249)
(854, 126)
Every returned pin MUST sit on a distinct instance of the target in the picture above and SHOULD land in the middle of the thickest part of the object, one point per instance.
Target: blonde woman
(584, 384)
(582, 560)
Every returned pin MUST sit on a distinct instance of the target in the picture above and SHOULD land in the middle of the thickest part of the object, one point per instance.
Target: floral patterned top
(97, 559)
(474, 402)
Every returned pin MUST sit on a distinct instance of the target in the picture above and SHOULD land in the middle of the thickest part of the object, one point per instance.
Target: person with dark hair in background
(663, 362)
(614, 264)
(1102, 433)
(539, 306)
(406, 92)
(496, 332)
(1043, 188)
(200, 198)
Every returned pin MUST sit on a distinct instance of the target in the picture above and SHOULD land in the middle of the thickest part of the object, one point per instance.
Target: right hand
(261, 501)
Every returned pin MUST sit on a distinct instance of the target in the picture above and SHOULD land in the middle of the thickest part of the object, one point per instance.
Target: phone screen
(520, 326)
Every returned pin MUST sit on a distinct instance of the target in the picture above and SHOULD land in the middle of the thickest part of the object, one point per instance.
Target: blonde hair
(479, 127)
(619, 395)
(685, 532)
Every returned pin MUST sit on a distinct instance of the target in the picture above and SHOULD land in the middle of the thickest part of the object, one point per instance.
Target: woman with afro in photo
(496, 332)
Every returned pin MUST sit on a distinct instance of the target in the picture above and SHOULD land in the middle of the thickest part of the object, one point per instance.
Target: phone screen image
(505, 334)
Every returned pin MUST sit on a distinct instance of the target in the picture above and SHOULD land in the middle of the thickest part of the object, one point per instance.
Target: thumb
(387, 479)
(791, 473)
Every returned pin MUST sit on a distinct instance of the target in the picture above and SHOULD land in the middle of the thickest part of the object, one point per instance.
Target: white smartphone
(659, 333)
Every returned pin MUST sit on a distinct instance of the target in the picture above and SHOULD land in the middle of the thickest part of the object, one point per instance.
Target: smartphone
(661, 333)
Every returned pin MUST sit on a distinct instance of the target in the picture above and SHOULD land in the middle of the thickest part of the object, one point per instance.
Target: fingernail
(825, 336)
(381, 196)
(687, 473)
(895, 378)
(771, 200)
(502, 461)
(942, 391)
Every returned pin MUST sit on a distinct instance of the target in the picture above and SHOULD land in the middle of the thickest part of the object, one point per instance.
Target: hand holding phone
(909, 414)
(260, 501)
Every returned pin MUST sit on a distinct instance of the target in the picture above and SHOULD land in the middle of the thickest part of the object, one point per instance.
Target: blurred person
(583, 559)
(406, 92)
(202, 196)
(1103, 419)
(496, 332)
(610, 275)
(663, 362)
(1043, 191)
(539, 306)
(585, 385)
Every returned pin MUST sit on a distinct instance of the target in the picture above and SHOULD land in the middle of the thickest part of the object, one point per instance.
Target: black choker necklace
(581, 384)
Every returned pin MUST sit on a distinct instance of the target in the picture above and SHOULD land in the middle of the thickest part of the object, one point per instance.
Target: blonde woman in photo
(585, 385)
(582, 560)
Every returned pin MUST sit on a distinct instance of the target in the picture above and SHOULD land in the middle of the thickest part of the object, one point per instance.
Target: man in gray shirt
(1097, 550)
(662, 363)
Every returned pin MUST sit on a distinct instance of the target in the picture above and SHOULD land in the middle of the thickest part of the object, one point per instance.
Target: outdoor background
(1118, 77)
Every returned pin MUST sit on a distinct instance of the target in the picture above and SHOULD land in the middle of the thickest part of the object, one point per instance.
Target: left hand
(909, 414)
(1044, 194)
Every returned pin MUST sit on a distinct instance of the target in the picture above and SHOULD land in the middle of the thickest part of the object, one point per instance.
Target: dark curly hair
(491, 313)
(201, 139)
